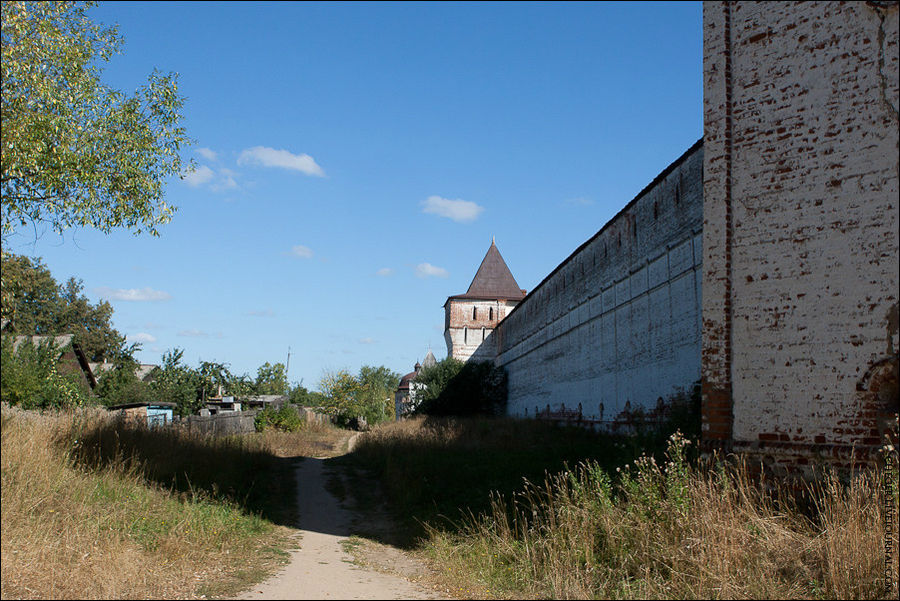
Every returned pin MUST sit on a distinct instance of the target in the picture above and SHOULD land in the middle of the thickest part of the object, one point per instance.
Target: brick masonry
(469, 325)
(800, 235)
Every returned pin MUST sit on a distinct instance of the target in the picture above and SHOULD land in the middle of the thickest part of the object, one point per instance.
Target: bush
(30, 378)
(121, 385)
(286, 419)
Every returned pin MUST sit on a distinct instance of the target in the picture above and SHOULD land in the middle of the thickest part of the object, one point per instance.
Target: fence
(222, 424)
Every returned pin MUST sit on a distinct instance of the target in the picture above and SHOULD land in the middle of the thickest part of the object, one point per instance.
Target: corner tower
(470, 318)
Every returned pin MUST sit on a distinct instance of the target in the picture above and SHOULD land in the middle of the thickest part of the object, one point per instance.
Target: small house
(150, 414)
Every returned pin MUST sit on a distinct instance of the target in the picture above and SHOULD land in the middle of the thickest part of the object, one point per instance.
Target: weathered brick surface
(617, 324)
(468, 325)
(800, 269)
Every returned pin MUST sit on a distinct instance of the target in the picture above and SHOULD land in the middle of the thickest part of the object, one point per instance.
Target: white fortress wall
(619, 320)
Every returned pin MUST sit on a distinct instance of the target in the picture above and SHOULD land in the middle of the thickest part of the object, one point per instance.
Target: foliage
(435, 379)
(302, 397)
(286, 419)
(35, 304)
(76, 153)
(271, 379)
(121, 385)
(240, 386)
(367, 396)
(213, 379)
(177, 383)
(31, 378)
(452, 387)
(189, 388)
(377, 387)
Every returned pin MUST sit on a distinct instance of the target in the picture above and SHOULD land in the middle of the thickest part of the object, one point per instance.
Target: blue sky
(355, 160)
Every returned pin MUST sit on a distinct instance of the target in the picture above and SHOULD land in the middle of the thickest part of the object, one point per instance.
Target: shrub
(286, 419)
(30, 378)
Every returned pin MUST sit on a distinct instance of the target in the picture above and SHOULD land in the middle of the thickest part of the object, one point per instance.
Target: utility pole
(288, 366)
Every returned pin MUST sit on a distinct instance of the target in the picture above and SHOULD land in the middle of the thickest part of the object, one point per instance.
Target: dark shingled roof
(493, 280)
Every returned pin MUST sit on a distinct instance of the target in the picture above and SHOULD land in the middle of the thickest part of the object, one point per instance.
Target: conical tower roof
(429, 360)
(493, 279)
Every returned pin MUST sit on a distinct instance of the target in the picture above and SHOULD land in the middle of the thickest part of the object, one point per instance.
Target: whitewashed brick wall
(619, 320)
(801, 266)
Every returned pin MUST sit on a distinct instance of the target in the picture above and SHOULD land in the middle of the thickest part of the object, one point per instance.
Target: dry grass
(74, 530)
(314, 440)
(674, 531)
(668, 527)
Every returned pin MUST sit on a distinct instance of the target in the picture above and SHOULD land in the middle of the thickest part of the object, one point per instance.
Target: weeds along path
(321, 568)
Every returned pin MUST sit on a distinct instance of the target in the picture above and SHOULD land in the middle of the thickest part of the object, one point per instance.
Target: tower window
(491, 314)
(474, 312)
(482, 334)
(465, 335)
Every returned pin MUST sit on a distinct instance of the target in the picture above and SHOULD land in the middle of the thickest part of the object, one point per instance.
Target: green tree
(377, 388)
(452, 387)
(368, 395)
(299, 395)
(214, 378)
(32, 380)
(342, 392)
(121, 385)
(34, 303)
(435, 379)
(76, 153)
(271, 379)
(177, 383)
(240, 386)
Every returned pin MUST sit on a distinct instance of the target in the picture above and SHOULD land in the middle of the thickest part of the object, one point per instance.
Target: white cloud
(367, 340)
(263, 313)
(208, 154)
(199, 176)
(580, 201)
(142, 337)
(304, 252)
(132, 294)
(385, 272)
(427, 270)
(225, 181)
(457, 210)
(269, 157)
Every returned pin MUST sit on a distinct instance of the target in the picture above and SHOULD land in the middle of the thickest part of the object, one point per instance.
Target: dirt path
(321, 568)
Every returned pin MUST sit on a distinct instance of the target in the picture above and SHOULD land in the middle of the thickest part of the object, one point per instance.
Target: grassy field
(520, 509)
(95, 509)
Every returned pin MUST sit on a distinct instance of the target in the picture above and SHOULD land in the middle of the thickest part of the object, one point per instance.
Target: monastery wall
(618, 322)
(800, 268)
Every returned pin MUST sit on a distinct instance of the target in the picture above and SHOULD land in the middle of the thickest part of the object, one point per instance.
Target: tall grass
(670, 530)
(94, 509)
(438, 470)
(622, 524)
